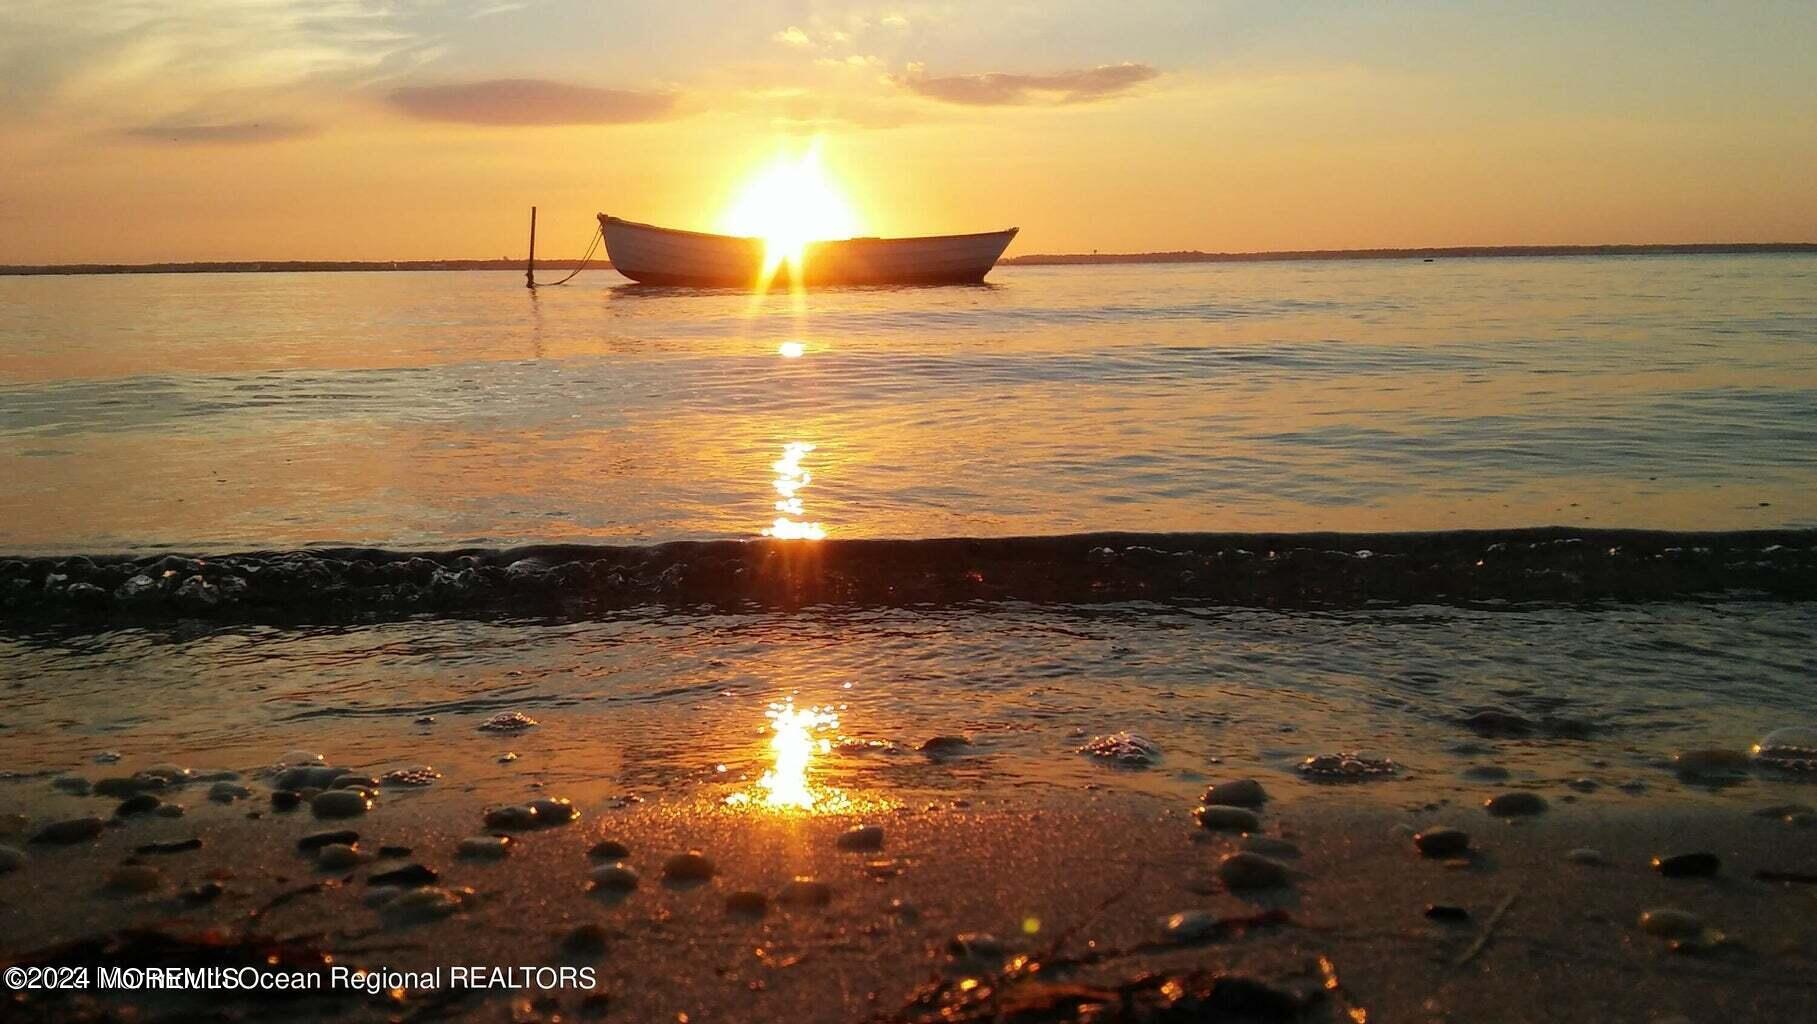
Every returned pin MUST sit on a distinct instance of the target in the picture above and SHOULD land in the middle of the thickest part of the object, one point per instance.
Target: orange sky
(320, 129)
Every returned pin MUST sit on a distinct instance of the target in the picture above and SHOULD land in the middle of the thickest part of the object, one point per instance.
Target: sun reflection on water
(791, 349)
(796, 737)
(790, 479)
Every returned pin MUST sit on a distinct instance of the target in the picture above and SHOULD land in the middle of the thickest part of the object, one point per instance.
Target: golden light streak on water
(791, 349)
(789, 481)
(794, 741)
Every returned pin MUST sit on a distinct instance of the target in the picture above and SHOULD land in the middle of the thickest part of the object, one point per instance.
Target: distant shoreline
(1032, 260)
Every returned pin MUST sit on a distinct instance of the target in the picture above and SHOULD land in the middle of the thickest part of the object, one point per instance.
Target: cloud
(1000, 89)
(792, 36)
(529, 101)
(226, 133)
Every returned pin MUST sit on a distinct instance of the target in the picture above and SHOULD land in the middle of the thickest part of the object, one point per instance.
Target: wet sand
(1079, 883)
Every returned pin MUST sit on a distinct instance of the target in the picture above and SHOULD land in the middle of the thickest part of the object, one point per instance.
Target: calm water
(255, 411)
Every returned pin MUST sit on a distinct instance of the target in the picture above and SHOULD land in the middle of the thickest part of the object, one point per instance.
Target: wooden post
(530, 267)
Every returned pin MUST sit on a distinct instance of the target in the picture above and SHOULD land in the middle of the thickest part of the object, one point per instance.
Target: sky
(143, 130)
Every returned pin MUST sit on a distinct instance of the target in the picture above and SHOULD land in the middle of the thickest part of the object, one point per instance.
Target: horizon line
(1031, 259)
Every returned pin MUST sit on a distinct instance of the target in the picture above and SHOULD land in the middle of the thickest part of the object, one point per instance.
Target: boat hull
(665, 256)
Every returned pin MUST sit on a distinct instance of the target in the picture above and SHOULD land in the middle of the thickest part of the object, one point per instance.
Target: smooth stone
(1245, 870)
(944, 744)
(551, 811)
(609, 849)
(508, 721)
(141, 804)
(75, 784)
(1585, 855)
(1670, 923)
(228, 792)
(1346, 766)
(363, 782)
(1700, 762)
(745, 901)
(1269, 846)
(1688, 865)
(1126, 749)
(340, 803)
(394, 851)
(484, 847)
(408, 876)
(13, 824)
(207, 892)
(1487, 773)
(1446, 912)
(285, 799)
(175, 846)
(1237, 793)
(615, 877)
(1442, 842)
(862, 837)
(1510, 805)
(168, 810)
(316, 841)
(1227, 819)
(294, 758)
(419, 905)
(315, 776)
(692, 866)
(73, 830)
(802, 891)
(11, 859)
(416, 775)
(1190, 926)
(135, 879)
(512, 818)
(339, 857)
(585, 939)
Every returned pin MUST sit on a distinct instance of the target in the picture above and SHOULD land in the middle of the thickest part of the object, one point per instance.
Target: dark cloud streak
(228, 133)
(529, 101)
(1001, 89)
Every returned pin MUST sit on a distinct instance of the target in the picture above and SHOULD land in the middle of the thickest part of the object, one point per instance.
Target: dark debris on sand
(1265, 570)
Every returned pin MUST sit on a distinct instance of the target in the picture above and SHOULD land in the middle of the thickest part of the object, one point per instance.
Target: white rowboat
(653, 255)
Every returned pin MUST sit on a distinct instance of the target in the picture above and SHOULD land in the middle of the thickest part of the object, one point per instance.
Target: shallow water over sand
(673, 704)
(223, 412)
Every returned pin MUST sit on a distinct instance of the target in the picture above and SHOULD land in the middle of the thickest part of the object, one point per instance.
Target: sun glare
(795, 742)
(788, 204)
(790, 479)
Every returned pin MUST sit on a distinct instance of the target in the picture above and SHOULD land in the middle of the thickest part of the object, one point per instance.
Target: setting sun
(789, 203)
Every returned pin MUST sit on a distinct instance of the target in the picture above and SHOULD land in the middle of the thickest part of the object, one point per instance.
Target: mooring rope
(597, 235)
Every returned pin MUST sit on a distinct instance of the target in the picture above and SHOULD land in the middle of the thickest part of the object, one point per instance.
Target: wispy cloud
(228, 133)
(1004, 89)
(530, 101)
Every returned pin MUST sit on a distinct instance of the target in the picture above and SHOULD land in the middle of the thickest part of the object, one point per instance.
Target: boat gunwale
(606, 218)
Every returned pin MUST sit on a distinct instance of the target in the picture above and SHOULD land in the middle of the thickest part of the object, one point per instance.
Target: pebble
(1792, 749)
(551, 811)
(692, 866)
(1346, 766)
(316, 841)
(340, 803)
(1446, 912)
(1670, 923)
(1510, 805)
(11, 859)
(73, 830)
(975, 946)
(1269, 846)
(1227, 819)
(508, 721)
(419, 905)
(614, 877)
(315, 776)
(228, 792)
(140, 804)
(416, 775)
(170, 810)
(1585, 855)
(507, 757)
(1688, 865)
(1124, 749)
(75, 784)
(1237, 793)
(944, 745)
(1442, 842)
(339, 857)
(135, 879)
(484, 847)
(285, 799)
(406, 877)
(512, 818)
(862, 837)
(107, 757)
(207, 892)
(745, 901)
(1246, 870)
(585, 939)
(802, 891)
(609, 849)
(1190, 926)
(1710, 762)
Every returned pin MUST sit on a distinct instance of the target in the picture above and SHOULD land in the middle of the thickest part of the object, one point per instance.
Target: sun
(789, 203)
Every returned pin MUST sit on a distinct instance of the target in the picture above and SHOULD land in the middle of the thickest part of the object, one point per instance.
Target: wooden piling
(530, 266)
